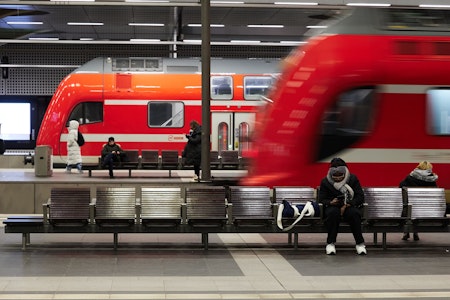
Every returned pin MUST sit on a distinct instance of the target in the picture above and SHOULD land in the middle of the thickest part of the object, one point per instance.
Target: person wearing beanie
(342, 195)
(111, 153)
(421, 176)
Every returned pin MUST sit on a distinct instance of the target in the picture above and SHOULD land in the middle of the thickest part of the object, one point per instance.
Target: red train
(147, 103)
(373, 88)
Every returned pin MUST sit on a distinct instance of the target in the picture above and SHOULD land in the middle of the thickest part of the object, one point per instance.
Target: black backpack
(80, 139)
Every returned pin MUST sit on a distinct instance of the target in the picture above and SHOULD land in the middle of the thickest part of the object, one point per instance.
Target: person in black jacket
(111, 152)
(341, 195)
(421, 176)
(193, 149)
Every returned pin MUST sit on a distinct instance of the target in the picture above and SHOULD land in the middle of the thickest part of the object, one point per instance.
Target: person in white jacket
(73, 149)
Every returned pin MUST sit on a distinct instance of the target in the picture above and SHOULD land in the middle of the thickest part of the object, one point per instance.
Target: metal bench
(250, 206)
(115, 207)
(161, 206)
(24, 225)
(214, 159)
(132, 159)
(205, 209)
(150, 159)
(297, 195)
(132, 162)
(385, 211)
(229, 159)
(68, 207)
(428, 206)
(170, 160)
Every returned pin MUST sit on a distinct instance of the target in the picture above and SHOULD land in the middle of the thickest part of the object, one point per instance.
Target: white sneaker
(361, 249)
(331, 249)
(195, 178)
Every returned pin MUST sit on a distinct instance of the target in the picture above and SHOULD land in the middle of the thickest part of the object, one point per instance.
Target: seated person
(111, 153)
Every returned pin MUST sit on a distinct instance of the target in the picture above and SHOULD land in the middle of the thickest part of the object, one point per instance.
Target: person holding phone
(342, 195)
(193, 150)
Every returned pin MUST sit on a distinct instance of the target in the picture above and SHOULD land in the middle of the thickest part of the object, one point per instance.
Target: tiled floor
(236, 266)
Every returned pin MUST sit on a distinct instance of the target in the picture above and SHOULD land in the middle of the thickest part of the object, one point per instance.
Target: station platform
(235, 266)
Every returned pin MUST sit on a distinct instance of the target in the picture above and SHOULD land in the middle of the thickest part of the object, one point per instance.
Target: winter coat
(327, 192)
(107, 149)
(193, 149)
(73, 150)
(416, 182)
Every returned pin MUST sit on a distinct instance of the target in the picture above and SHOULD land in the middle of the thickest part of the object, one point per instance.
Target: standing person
(111, 153)
(193, 149)
(421, 176)
(342, 195)
(73, 149)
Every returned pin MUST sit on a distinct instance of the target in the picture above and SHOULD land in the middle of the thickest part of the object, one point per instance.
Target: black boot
(405, 236)
(416, 236)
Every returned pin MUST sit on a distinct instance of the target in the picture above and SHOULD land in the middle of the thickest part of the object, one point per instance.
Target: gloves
(188, 136)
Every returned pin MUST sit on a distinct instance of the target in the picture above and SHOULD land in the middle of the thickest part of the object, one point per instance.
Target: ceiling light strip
(85, 23)
(297, 3)
(264, 26)
(147, 24)
(369, 4)
(24, 23)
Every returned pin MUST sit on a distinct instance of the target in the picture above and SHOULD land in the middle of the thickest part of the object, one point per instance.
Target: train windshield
(348, 120)
(87, 112)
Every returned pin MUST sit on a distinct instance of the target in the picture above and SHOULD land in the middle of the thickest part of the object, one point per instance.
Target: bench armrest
(138, 210)
(229, 208)
(183, 213)
(45, 207)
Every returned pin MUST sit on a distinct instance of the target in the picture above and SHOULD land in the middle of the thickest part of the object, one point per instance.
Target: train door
(231, 131)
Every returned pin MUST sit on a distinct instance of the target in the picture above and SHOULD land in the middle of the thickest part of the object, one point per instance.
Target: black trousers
(197, 170)
(333, 219)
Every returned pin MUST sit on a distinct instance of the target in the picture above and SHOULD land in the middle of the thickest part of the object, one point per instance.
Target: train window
(438, 103)
(223, 138)
(221, 88)
(137, 64)
(256, 86)
(349, 119)
(244, 137)
(415, 19)
(87, 112)
(165, 114)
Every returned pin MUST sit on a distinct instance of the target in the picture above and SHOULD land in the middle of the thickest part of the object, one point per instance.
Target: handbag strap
(305, 210)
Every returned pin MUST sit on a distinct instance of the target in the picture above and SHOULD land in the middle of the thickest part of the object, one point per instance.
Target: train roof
(390, 21)
(178, 65)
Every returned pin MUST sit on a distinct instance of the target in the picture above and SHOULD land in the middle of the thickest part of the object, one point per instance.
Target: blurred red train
(372, 88)
(147, 103)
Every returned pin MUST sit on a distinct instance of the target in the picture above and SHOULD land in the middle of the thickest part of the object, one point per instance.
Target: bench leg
(205, 240)
(289, 238)
(296, 240)
(384, 240)
(375, 238)
(25, 240)
(116, 240)
(129, 173)
(170, 173)
(90, 173)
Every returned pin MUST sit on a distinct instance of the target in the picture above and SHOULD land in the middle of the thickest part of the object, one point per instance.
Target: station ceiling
(167, 21)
